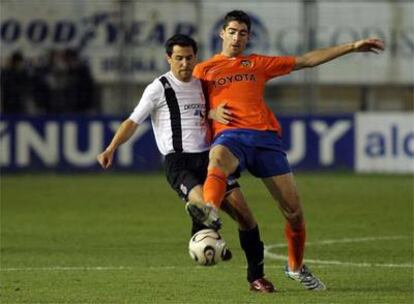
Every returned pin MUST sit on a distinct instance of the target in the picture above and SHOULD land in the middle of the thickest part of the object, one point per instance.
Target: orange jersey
(240, 81)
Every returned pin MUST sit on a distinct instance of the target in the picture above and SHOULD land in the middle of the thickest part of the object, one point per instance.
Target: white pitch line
(275, 256)
(267, 253)
(338, 263)
(346, 240)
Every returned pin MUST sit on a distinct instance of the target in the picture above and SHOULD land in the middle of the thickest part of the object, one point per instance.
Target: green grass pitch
(122, 238)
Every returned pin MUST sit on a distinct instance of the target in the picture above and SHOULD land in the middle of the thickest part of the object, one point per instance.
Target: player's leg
(236, 207)
(225, 158)
(196, 195)
(269, 162)
(185, 173)
(222, 163)
(283, 189)
(249, 236)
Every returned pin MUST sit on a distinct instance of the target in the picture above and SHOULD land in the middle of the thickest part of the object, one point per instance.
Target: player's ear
(168, 58)
(222, 34)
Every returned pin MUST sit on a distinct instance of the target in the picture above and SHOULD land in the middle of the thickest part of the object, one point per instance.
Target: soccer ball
(206, 247)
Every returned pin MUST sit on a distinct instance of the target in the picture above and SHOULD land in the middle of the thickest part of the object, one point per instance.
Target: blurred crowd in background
(57, 82)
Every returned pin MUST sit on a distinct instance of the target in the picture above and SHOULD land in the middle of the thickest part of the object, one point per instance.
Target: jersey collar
(179, 81)
(223, 57)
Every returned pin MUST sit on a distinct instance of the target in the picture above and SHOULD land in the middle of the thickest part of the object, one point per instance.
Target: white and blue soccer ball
(207, 247)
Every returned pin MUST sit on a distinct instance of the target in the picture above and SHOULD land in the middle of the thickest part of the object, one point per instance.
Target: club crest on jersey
(246, 63)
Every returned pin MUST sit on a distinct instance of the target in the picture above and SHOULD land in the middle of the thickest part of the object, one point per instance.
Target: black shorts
(184, 171)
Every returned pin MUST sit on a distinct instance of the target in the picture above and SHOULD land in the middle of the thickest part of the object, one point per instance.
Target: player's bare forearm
(124, 132)
(320, 56)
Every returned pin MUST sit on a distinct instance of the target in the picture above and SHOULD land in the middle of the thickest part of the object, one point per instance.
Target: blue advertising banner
(384, 142)
(319, 142)
(70, 144)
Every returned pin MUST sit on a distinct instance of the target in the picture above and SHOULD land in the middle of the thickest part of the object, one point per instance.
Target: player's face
(235, 37)
(182, 62)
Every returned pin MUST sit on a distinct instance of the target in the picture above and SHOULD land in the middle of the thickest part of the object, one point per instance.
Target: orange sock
(296, 245)
(215, 186)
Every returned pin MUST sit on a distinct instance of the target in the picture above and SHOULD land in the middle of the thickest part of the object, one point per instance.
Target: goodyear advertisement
(127, 42)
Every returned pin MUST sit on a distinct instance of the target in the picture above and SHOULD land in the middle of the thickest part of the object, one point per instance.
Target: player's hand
(105, 159)
(221, 114)
(369, 45)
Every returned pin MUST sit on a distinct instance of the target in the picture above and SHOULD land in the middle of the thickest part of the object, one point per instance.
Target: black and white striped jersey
(178, 114)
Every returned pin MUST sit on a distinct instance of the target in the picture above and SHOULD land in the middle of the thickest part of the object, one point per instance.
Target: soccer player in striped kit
(251, 139)
(176, 104)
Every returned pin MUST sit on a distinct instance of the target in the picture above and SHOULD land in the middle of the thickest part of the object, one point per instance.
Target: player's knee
(246, 224)
(221, 158)
(245, 220)
(293, 215)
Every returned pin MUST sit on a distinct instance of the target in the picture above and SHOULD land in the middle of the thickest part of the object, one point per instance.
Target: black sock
(196, 227)
(253, 249)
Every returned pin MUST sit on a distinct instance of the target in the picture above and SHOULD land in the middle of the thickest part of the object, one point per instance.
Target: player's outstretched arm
(124, 132)
(321, 56)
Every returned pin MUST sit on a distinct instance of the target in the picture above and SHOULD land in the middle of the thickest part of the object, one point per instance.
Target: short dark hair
(181, 40)
(238, 16)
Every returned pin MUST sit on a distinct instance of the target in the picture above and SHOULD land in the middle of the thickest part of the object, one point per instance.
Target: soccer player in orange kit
(251, 136)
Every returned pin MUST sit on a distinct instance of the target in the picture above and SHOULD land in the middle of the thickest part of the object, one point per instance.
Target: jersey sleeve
(148, 102)
(198, 71)
(274, 66)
